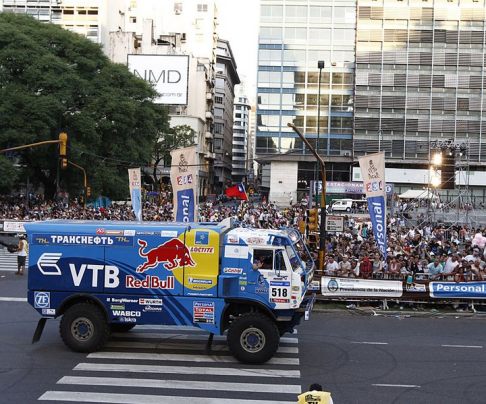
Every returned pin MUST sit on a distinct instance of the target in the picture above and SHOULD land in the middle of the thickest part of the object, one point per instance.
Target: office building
(294, 36)
(241, 138)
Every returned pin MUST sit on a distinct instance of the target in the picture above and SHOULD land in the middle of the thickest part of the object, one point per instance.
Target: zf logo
(42, 300)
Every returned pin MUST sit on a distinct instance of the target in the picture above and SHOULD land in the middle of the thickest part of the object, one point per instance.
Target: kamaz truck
(106, 276)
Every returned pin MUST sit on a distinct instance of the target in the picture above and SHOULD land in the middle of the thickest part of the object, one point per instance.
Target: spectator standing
(22, 256)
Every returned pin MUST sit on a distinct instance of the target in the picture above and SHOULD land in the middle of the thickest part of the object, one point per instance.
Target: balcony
(209, 115)
(209, 96)
(208, 135)
(210, 156)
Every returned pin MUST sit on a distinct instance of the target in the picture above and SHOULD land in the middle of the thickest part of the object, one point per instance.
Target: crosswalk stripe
(130, 368)
(13, 299)
(180, 384)
(142, 335)
(85, 397)
(8, 261)
(182, 358)
(190, 347)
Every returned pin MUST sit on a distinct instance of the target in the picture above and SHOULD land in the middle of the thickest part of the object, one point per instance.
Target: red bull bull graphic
(173, 254)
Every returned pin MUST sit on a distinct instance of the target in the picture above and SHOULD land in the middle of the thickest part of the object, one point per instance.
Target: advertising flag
(237, 191)
(373, 172)
(184, 179)
(134, 179)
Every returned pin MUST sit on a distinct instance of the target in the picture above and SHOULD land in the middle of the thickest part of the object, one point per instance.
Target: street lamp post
(320, 66)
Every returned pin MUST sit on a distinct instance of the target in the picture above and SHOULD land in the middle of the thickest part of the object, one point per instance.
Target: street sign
(335, 223)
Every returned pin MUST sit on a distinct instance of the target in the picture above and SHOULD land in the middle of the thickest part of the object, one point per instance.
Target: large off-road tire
(121, 327)
(84, 328)
(253, 338)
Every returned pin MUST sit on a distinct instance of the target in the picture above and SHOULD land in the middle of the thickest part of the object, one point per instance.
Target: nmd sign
(168, 74)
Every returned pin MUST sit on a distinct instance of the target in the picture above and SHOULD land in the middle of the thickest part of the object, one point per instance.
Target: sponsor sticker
(148, 309)
(202, 237)
(150, 282)
(100, 231)
(122, 300)
(49, 312)
(47, 264)
(233, 251)
(117, 307)
(233, 270)
(42, 300)
(233, 239)
(203, 312)
(279, 300)
(115, 233)
(273, 283)
(168, 233)
(201, 281)
(150, 302)
(126, 313)
(129, 233)
(202, 250)
(98, 240)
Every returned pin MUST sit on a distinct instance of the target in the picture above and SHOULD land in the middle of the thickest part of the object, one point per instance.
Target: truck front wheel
(84, 328)
(253, 338)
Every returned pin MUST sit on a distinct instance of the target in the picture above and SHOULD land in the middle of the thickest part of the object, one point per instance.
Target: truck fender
(242, 306)
(81, 298)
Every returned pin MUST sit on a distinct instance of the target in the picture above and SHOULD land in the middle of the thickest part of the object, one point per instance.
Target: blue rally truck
(110, 276)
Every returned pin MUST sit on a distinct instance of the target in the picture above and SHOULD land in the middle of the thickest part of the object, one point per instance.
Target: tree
(53, 80)
(177, 137)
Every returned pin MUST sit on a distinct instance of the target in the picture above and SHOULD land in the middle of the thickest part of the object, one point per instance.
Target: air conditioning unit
(209, 96)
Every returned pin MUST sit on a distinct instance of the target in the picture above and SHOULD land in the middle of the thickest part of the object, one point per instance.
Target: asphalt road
(360, 359)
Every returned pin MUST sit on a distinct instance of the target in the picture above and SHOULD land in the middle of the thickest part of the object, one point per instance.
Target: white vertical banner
(373, 174)
(184, 179)
(135, 181)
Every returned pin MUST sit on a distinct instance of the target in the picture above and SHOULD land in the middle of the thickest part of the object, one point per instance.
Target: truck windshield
(303, 253)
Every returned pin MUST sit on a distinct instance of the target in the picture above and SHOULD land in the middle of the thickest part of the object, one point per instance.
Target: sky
(238, 23)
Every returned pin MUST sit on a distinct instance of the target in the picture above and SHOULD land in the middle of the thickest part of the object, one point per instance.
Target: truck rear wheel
(84, 328)
(121, 327)
(253, 338)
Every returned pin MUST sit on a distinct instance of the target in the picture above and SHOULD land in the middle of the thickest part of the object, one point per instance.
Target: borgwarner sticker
(232, 270)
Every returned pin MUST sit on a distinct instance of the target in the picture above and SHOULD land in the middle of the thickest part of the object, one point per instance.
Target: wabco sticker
(232, 270)
(203, 312)
(126, 313)
(42, 300)
(150, 302)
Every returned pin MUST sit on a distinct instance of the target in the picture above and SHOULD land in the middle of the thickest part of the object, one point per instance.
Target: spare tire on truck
(84, 328)
(253, 338)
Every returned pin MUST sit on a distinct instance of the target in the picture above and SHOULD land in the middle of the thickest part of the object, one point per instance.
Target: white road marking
(13, 299)
(409, 386)
(181, 384)
(195, 336)
(369, 343)
(190, 347)
(129, 368)
(84, 397)
(182, 358)
(463, 346)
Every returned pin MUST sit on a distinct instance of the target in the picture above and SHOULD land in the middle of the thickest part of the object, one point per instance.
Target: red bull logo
(172, 253)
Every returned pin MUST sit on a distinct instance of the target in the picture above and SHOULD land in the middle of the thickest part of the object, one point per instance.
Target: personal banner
(373, 173)
(134, 179)
(184, 179)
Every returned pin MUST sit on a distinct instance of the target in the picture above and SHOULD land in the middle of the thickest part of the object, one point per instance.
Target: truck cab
(107, 276)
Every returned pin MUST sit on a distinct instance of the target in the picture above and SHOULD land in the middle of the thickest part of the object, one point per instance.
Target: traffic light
(313, 219)
(88, 192)
(63, 137)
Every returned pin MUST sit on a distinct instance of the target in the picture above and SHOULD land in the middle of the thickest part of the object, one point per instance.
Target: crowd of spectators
(430, 252)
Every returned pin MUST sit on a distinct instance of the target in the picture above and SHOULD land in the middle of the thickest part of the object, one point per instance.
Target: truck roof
(100, 226)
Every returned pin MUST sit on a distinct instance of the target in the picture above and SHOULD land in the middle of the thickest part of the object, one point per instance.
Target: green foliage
(177, 137)
(52, 80)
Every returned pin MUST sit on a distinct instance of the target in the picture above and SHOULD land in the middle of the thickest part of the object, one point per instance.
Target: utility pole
(322, 227)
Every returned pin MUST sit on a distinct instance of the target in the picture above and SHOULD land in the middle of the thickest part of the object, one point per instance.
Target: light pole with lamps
(320, 66)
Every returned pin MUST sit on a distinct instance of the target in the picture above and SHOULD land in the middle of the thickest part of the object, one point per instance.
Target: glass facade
(419, 77)
(294, 36)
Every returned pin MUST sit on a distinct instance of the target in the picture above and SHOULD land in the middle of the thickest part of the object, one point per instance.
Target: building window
(218, 100)
(133, 20)
(202, 7)
(177, 8)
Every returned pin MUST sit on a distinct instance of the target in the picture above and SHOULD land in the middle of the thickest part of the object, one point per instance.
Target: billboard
(168, 74)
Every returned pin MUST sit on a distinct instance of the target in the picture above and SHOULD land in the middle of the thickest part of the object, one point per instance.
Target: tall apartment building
(420, 78)
(241, 138)
(80, 16)
(226, 79)
(294, 36)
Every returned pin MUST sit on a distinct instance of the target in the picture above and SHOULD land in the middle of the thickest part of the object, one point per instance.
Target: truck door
(272, 277)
